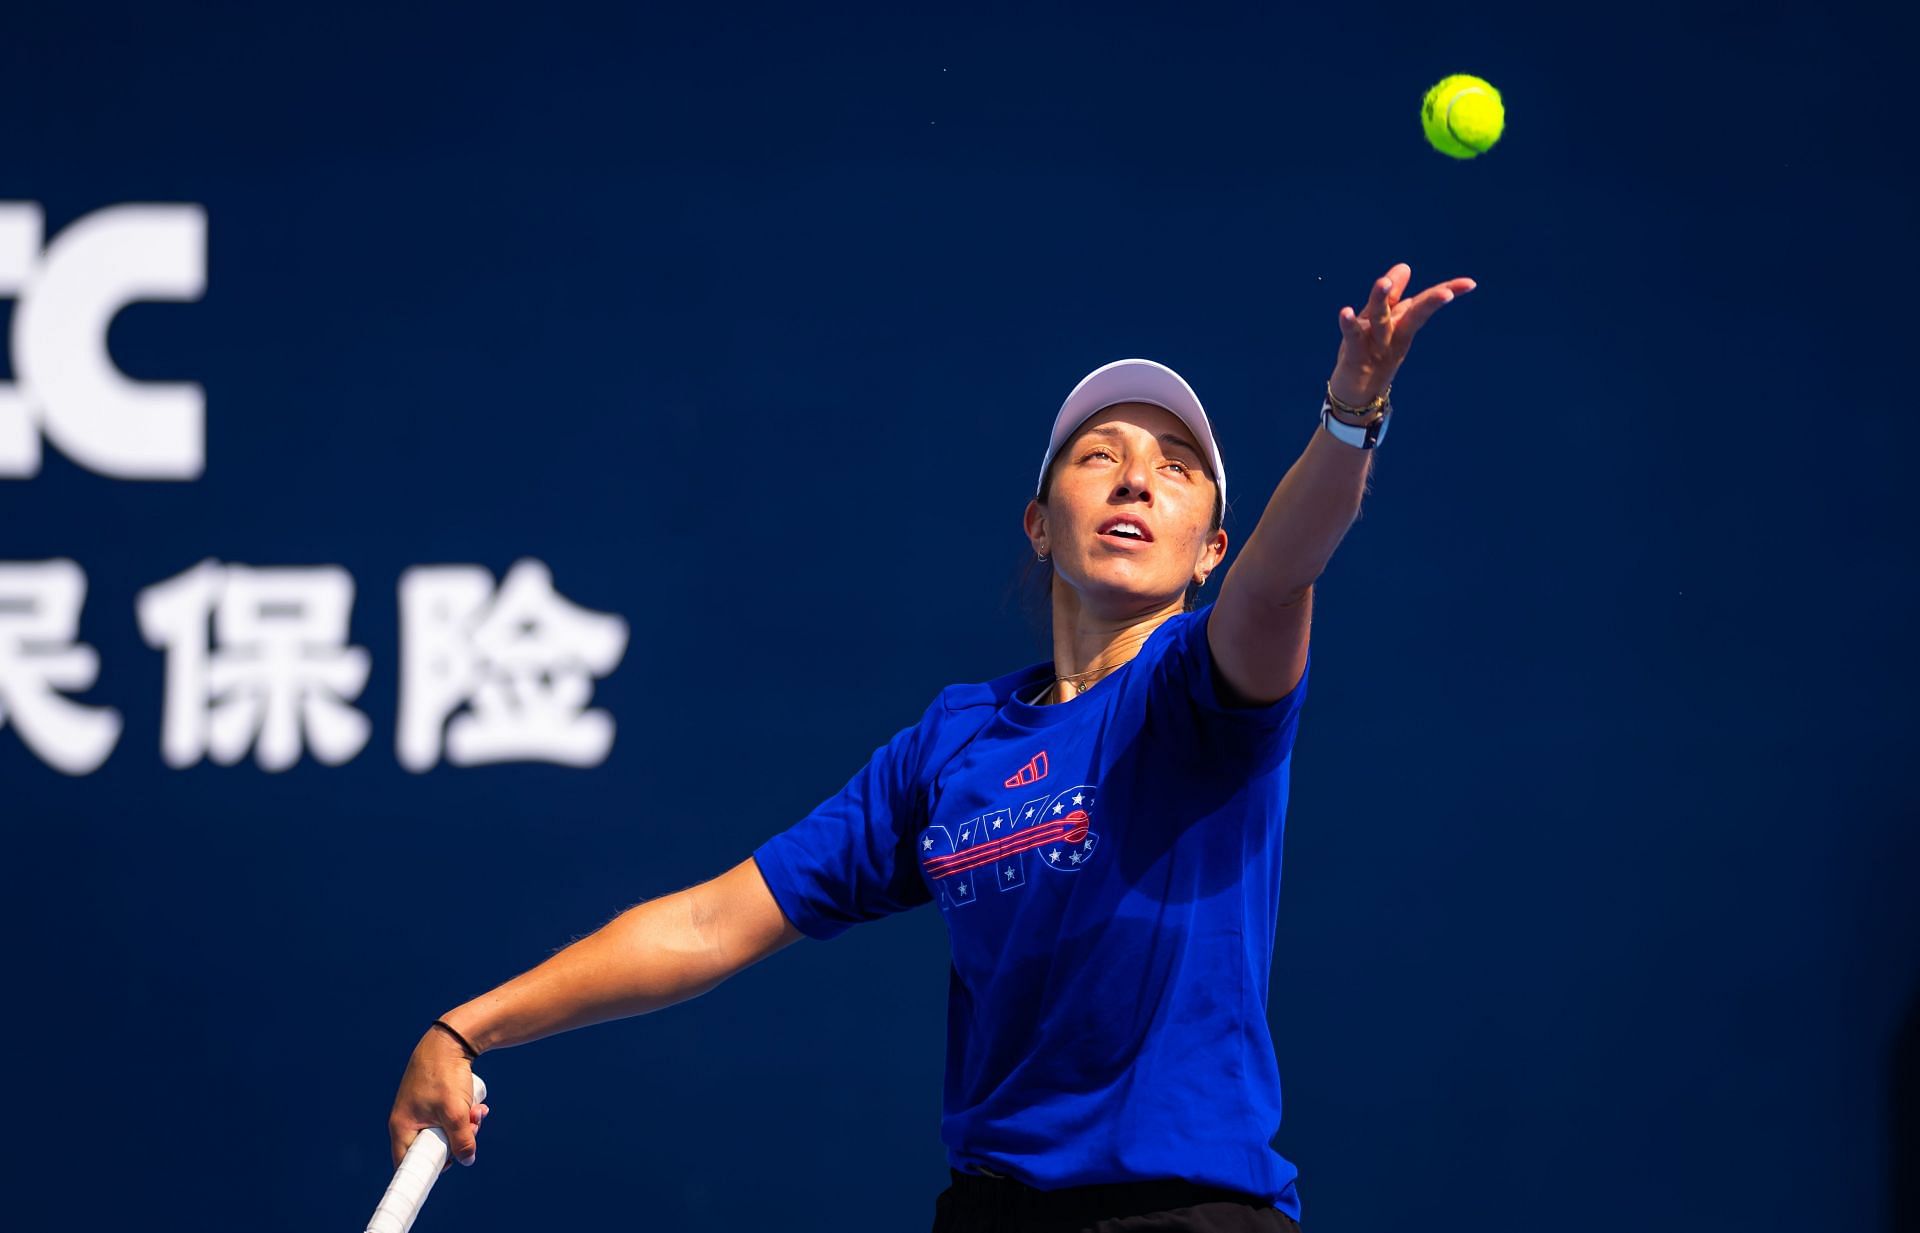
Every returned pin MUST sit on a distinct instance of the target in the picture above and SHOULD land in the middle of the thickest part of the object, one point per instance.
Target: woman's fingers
(1364, 333)
(1387, 323)
(1415, 312)
(1374, 341)
(1377, 300)
(1381, 298)
(1398, 278)
(461, 1142)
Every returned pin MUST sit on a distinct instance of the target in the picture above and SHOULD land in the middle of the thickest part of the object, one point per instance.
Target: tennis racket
(418, 1171)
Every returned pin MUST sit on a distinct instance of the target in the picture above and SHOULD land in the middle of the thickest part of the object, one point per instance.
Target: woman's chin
(1126, 584)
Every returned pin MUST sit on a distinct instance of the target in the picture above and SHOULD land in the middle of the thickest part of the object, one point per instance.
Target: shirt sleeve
(851, 859)
(1189, 681)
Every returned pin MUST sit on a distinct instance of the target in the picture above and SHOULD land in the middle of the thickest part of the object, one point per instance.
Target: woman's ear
(1215, 552)
(1034, 522)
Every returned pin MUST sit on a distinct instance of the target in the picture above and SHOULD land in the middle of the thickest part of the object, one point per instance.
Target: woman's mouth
(1126, 529)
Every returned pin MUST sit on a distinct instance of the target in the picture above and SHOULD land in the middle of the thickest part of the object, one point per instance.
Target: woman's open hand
(1374, 341)
(437, 1090)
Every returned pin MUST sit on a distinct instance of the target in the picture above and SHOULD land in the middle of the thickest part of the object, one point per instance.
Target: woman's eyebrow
(1169, 438)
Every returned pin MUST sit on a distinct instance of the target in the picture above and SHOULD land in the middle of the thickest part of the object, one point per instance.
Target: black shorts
(980, 1204)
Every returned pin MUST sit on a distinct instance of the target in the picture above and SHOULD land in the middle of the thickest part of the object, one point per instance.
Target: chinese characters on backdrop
(258, 659)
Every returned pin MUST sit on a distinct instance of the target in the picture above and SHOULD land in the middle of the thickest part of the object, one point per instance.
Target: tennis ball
(1463, 116)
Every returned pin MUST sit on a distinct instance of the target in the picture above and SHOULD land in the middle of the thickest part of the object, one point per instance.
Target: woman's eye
(1098, 454)
(1181, 465)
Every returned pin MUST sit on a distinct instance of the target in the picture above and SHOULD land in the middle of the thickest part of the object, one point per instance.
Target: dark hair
(1034, 585)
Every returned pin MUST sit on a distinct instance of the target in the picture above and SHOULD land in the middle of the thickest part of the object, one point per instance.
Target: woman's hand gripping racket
(418, 1171)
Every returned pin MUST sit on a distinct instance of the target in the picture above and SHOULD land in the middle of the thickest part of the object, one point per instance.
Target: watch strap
(1365, 438)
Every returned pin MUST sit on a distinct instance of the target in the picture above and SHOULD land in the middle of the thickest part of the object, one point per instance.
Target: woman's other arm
(653, 955)
(664, 951)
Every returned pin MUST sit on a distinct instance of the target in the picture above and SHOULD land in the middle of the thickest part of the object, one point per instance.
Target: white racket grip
(419, 1170)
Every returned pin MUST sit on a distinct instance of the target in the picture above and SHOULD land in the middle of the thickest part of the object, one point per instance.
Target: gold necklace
(1075, 678)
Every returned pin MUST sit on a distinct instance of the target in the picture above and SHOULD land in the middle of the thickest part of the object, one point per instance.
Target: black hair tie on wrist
(472, 1053)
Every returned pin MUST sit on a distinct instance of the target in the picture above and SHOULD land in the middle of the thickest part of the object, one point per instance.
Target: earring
(1043, 558)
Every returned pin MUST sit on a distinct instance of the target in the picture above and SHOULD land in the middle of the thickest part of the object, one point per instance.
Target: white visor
(1134, 381)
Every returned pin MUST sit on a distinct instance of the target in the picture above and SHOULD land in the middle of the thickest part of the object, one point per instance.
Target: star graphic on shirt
(961, 888)
(1058, 808)
(1077, 798)
(1078, 857)
(1054, 856)
(1088, 845)
(1029, 813)
(1009, 873)
(927, 844)
(996, 823)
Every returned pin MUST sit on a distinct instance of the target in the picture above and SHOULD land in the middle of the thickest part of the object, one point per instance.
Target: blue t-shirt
(1109, 870)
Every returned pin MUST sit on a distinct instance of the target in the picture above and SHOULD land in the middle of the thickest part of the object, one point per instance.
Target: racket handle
(419, 1170)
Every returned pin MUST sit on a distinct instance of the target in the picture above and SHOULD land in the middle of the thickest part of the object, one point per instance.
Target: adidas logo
(1032, 772)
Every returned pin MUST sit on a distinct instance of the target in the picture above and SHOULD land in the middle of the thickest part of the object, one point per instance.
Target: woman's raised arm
(1258, 628)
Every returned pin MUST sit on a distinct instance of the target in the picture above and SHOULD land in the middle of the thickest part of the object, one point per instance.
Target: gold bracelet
(1380, 402)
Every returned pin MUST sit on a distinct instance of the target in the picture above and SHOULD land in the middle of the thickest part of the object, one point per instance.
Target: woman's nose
(1134, 482)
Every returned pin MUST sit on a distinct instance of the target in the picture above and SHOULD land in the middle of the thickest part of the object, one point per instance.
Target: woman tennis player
(1102, 834)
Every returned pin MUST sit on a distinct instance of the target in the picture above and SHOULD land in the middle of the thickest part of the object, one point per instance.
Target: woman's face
(1129, 464)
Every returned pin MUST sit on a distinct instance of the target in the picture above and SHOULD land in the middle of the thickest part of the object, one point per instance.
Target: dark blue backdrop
(750, 324)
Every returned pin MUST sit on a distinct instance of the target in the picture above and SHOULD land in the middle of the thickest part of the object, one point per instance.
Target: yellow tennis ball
(1463, 116)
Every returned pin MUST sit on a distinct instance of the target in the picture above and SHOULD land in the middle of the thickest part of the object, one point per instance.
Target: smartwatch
(1366, 438)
